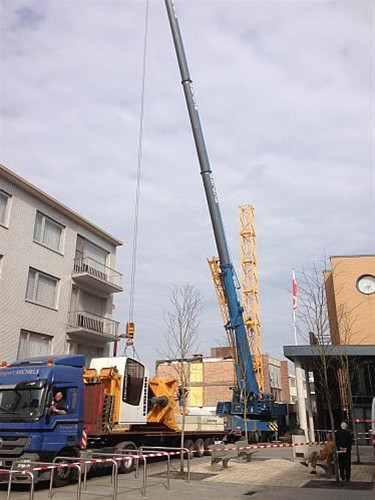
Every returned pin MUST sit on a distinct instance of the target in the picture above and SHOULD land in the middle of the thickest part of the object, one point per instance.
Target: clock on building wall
(366, 284)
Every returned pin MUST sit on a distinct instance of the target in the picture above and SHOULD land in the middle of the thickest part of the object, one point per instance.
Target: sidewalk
(272, 475)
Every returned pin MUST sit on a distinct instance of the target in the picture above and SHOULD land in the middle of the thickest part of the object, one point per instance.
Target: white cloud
(285, 93)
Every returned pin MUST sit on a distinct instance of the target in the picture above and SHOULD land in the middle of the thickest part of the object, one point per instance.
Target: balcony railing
(89, 324)
(95, 271)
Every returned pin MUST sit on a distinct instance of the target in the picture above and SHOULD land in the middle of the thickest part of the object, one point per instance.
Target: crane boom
(246, 379)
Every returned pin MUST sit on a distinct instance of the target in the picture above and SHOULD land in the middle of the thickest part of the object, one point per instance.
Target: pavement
(271, 475)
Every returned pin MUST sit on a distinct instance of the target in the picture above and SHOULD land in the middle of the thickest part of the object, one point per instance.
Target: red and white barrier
(84, 441)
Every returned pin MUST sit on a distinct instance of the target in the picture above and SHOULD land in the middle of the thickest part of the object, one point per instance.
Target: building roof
(52, 202)
(357, 256)
(308, 354)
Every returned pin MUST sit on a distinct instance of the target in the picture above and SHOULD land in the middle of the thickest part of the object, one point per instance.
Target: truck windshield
(24, 400)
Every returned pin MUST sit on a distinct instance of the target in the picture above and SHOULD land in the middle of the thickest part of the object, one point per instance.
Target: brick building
(57, 276)
(211, 378)
(349, 348)
(350, 290)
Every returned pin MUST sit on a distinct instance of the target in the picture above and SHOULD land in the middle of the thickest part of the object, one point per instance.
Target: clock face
(366, 284)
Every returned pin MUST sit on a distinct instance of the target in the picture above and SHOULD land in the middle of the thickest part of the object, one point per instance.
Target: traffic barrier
(83, 440)
(173, 452)
(114, 459)
(73, 464)
(24, 472)
(30, 468)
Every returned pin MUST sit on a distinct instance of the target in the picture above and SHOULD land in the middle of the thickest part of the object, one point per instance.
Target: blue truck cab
(29, 429)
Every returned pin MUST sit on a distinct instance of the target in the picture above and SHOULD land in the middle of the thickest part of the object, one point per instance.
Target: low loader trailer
(111, 406)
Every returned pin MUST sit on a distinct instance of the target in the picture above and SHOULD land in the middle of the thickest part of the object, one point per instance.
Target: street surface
(271, 475)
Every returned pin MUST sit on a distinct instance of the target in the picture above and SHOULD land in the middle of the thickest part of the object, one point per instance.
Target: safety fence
(363, 424)
(322, 435)
(30, 470)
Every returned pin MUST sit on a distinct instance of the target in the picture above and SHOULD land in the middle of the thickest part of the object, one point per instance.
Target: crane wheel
(208, 442)
(199, 448)
(127, 465)
(190, 446)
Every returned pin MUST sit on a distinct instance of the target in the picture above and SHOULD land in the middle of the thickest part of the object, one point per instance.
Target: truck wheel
(199, 448)
(64, 475)
(208, 442)
(126, 466)
(190, 446)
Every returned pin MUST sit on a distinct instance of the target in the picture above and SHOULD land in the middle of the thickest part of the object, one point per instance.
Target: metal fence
(30, 469)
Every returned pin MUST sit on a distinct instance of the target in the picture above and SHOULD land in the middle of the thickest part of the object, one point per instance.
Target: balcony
(88, 272)
(89, 326)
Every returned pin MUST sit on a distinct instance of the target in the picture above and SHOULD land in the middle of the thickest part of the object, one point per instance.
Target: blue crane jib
(246, 397)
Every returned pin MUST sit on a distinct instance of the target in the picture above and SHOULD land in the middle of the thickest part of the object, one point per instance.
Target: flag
(294, 290)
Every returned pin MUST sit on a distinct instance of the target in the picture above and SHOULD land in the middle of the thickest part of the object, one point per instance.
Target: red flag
(294, 290)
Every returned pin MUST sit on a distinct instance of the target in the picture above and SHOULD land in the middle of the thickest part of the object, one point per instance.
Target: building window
(32, 345)
(89, 351)
(89, 254)
(41, 289)
(94, 304)
(48, 232)
(4, 206)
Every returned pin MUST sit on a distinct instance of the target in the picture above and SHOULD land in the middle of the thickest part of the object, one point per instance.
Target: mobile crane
(248, 409)
(114, 400)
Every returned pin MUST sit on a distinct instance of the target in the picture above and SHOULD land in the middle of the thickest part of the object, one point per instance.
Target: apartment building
(57, 276)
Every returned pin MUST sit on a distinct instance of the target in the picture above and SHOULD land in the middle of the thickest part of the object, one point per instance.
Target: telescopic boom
(244, 364)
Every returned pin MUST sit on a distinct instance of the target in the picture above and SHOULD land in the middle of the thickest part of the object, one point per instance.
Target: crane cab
(123, 383)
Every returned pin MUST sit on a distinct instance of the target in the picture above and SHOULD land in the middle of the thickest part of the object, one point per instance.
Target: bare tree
(346, 319)
(182, 320)
(313, 317)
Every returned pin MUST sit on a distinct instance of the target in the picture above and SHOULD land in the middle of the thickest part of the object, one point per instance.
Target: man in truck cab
(58, 405)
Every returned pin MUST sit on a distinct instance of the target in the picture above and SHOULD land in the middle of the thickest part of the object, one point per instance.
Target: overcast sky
(285, 92)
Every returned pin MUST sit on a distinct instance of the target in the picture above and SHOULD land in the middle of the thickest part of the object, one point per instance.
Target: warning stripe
(83, 440)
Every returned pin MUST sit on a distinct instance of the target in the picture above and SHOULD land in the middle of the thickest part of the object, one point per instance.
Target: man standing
(344, 441)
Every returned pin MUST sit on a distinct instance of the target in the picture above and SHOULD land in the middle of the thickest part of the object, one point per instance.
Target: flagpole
(294, 291)
(295, 327)
(297, 363)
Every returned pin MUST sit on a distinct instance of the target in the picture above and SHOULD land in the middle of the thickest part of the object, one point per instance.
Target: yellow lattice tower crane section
(216, 276)
(250, 288)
